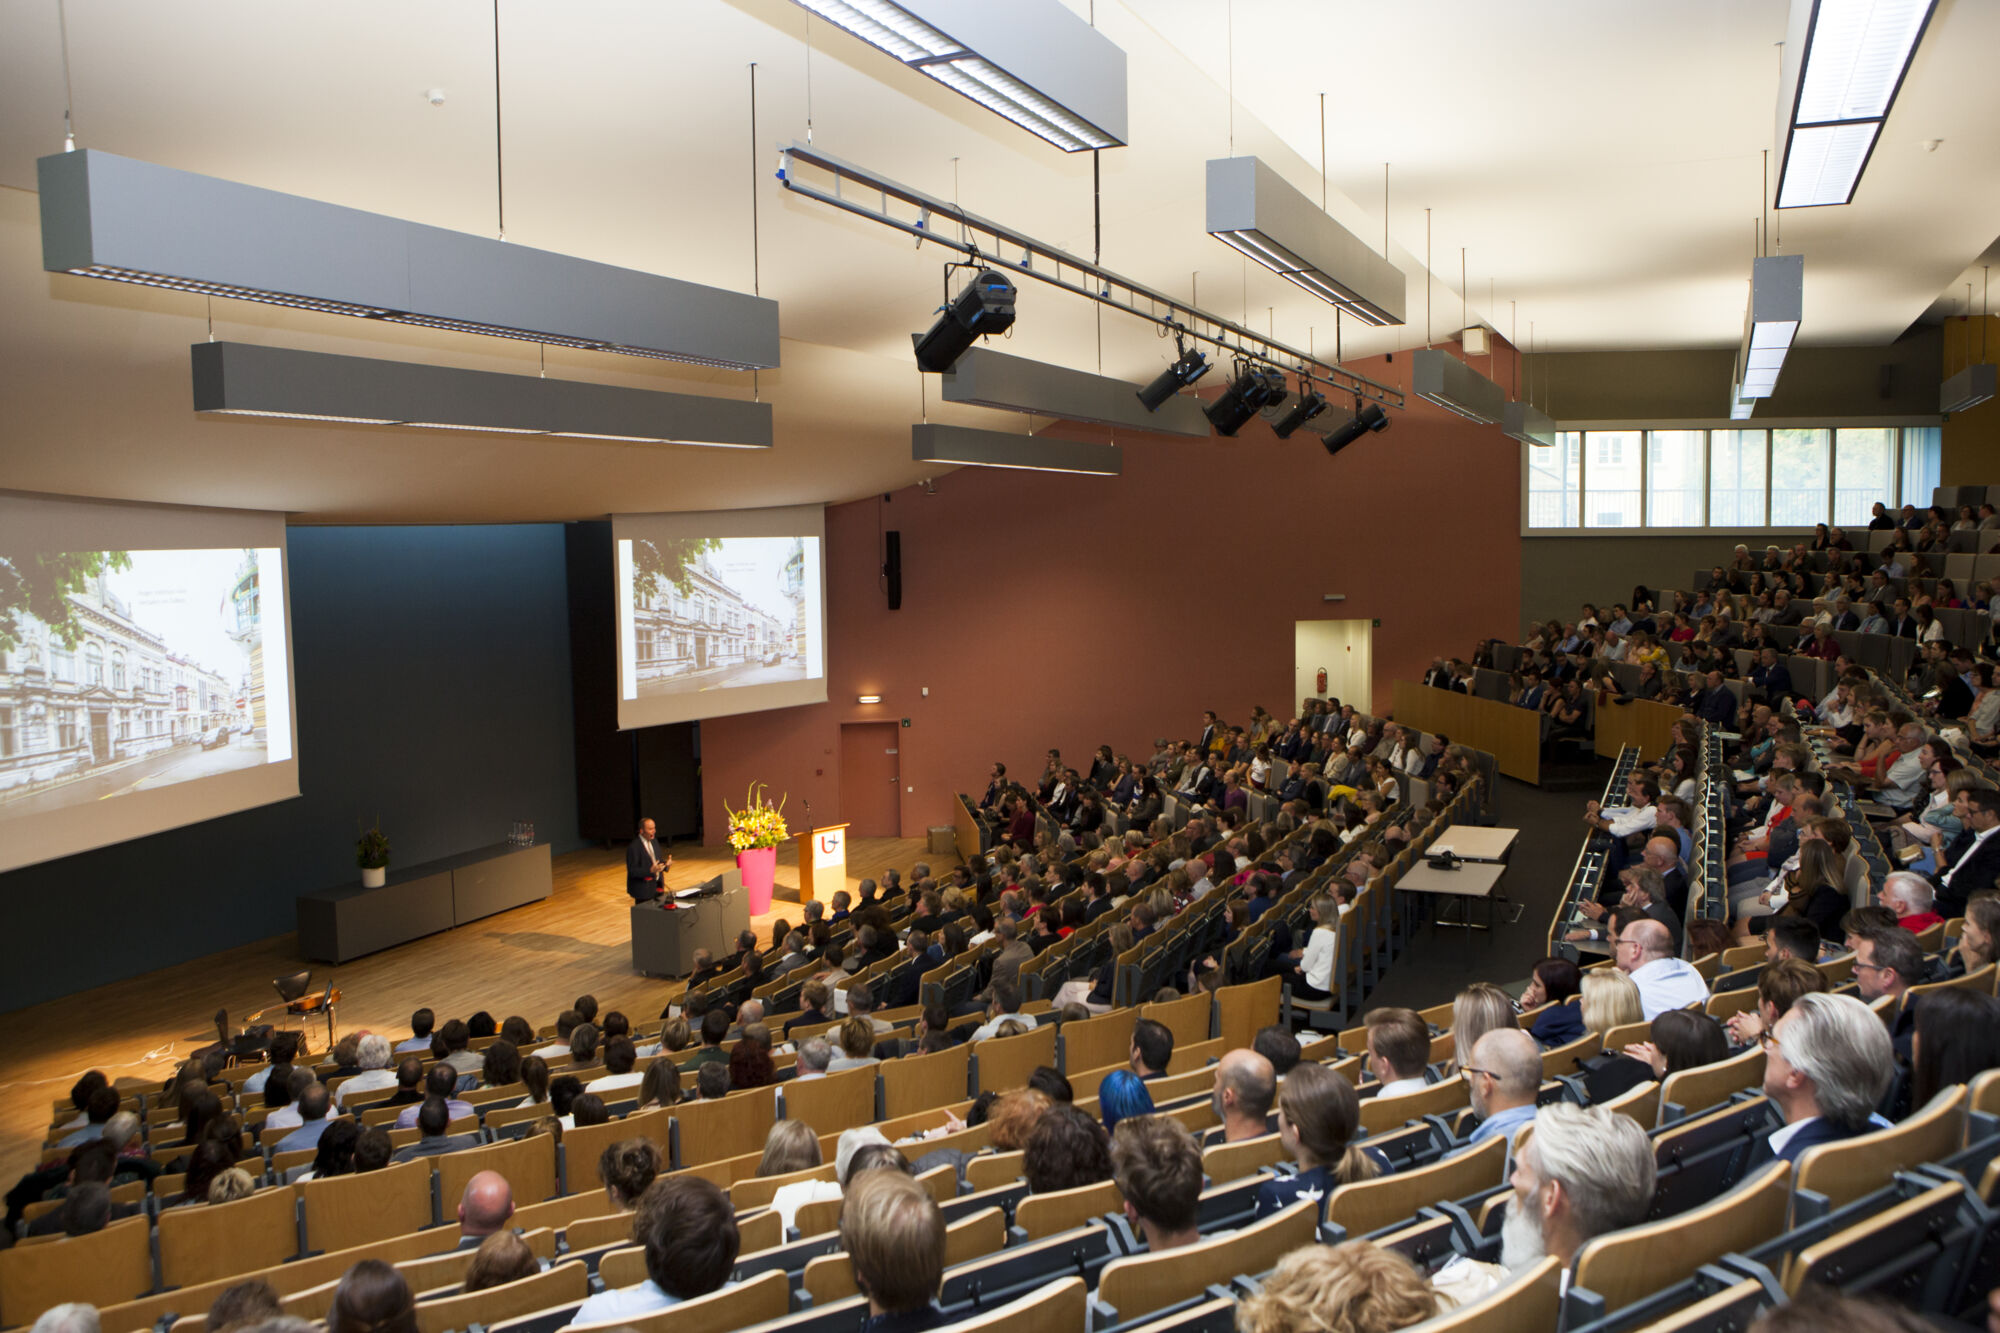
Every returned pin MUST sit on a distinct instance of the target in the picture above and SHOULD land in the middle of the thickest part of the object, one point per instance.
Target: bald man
(1644, 951)
(1663, 854)
(1245, 1087)
(1506, 1074)
(486, 1207)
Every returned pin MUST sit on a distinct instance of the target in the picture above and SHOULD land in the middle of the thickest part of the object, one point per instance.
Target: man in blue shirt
(1506, 1075)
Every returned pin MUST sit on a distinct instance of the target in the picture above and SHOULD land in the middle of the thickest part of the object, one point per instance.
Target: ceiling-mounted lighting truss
(865, 194)
(1254, 210)
(243, 379)
(1441, 378)
(983, 377)
(933, 442)
(105, 216)
(1842, 63)
(1032, 61)
(1777, 304)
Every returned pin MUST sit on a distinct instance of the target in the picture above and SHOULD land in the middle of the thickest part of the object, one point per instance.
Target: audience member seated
(243, 1305)
(372, 1298)
(1067, 1150)
(500, 1258)
(1644, 951)
(500, 1064)
(100, 1104)
(1826, 1065)
(1353, 1287)
(1398, 1050)
(750, 1063)
(893, 1234)
(410, 1080)
(334, 1154)
(660, 1085)
(440, 1082)
(1887, 963)
(1318, 1115)
(689, 1233)
(1003, 1001)
(1979, 939)
(1779, 986)
(1910, 897)
(711, 1082)
(1242, 1096)
(432, 1118)
(373, 1057)
(1120, 1095)
(313, 1104)
(566, 1025)
(285, 1049)
(1584, 1171)
(1477, 1010)
(486, 1206)
(1157, 1165)
(1555, 988)
(421, 1024)
(1957, 1038)
(1680, 1039)
(1152, 1049)
(1505, 1075)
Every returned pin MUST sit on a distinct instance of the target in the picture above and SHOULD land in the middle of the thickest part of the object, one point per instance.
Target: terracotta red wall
(1043, 609)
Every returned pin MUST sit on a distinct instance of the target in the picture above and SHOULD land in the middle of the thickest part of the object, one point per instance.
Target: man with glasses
(1644, 951)
(1889, 962)
(1827, 1063)
(1505, 1075)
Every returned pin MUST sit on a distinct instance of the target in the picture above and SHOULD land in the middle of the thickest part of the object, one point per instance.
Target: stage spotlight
(1364, 420)
(1238, 403)
(1310, 404)
(1191, 366)
(984, 305)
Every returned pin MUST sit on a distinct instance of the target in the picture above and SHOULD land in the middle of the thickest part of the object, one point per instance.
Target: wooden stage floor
(530, 961)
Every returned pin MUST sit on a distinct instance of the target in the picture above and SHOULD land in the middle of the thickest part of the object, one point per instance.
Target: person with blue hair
(1122, 1094)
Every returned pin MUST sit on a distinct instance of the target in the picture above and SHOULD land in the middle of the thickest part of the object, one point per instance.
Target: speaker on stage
(892, 567)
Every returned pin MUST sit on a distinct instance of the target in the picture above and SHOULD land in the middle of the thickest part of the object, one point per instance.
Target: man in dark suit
(1771, 675)
(1956, 699)
(645, 866)
(1845, 1044)
(1972, 861)
(1901, 623)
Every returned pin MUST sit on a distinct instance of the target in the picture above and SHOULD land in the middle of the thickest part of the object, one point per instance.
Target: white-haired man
(1827, 1063)
(1583, 1171)
(373, 1055)
(1912, 898)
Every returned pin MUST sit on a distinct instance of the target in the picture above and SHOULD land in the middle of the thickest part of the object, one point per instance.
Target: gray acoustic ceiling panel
(1441, 378)
(935, 443)
(983, 377)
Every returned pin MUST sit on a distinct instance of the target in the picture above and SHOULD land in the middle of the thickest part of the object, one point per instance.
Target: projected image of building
(131, 683)
(717, 612)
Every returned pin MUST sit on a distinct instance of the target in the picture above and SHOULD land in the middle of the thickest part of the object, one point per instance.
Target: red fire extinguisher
(1322, 680)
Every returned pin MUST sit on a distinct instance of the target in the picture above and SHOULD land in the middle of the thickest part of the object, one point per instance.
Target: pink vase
(759, 867)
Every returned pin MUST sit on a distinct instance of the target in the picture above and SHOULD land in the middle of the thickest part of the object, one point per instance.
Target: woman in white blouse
(1312, 976)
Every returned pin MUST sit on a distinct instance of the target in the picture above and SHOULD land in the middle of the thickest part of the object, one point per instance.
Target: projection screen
(719, 612)
(145, 671)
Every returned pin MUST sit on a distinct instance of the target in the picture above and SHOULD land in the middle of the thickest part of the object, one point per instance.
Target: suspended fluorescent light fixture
(1777, 303)
(1439, 377)
(936, 443)
(105, 216)
(982, 377)
(242, 379)
(1032, 61)
(1528, 424)
(1253, 209)
(1969, 387)
(1843, 63)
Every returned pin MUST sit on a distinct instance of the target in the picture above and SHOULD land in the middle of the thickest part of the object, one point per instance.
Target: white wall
(1345, 648)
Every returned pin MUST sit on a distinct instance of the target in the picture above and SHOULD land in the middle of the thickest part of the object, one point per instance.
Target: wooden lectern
(822, 862)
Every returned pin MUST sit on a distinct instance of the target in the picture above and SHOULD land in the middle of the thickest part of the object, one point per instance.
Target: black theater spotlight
(1311, 402)
(1255, 387)
(983, 306)
(1190, 366)
(1364, 420)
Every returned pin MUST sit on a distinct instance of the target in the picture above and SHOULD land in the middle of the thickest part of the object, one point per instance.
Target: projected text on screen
(128, 671)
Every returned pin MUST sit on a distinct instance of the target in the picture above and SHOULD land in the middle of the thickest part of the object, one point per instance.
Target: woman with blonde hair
(790, 1146)
(1354, 1287)
(1319, 1115)
(856, 1039)
(1477, 1010)
(1610, 1000)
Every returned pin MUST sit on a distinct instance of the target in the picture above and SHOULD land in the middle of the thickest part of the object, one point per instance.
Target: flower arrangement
(371, 849)
(758, 823)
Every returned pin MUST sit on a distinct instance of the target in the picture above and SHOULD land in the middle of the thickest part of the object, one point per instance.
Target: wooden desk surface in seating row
(1513, 735)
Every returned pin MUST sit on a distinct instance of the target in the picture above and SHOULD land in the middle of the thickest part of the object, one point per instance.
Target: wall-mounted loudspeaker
(892, 567)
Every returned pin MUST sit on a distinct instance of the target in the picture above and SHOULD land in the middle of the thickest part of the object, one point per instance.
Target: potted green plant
(371, 853)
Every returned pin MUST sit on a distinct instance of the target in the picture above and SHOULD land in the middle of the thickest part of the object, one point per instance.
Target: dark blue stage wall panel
(433, 675)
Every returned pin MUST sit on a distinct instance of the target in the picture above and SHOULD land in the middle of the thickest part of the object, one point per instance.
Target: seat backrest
(1232, 1161)
(589, 1233)
(1628, 1265)
(1565, 1058)
(1042, 1215)
(115, 1264)
(1370, 1205)
(1188, 1018)
(584, 1145)
(1851, 1168)
(1138, 1285)
(763, 1298)
(1243, 1010)
(838, 1101)
(920, 1082)
(1704, 1086)
(1527, 1304)
(830, 1277)
(563, 1283)
(710, 1131)
(1618, 1038)
(758, 1191)
(1640, 1103)
(1380, 1113)
(1006, 1062)
(343, 1211)
(990, 1169)
(201, 1244)
(528, 1164)
(1898, 1239)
